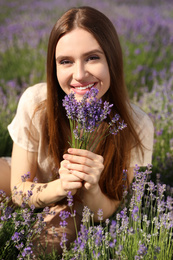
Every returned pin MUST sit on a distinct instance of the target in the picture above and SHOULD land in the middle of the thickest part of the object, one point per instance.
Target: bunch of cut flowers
(86, 116)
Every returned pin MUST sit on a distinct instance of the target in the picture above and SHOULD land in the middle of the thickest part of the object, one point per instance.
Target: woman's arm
(44, 194)
(95, 199)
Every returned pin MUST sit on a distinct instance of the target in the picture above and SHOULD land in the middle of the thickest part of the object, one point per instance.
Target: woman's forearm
(38, 194)
(95, 200)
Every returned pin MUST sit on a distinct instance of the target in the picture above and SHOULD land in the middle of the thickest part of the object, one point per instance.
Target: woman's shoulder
(145, 129)
(32, 97)
(36, 93)
(24, 126)
(140, 117)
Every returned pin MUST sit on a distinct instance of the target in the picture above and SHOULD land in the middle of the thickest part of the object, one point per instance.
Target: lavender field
(145, 28)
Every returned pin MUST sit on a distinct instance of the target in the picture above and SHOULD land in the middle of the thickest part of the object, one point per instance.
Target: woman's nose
(79, 71)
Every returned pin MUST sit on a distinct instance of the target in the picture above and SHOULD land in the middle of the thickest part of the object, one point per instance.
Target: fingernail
(65, 156)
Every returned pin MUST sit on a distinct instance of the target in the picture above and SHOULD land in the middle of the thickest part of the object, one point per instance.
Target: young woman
(83, 52)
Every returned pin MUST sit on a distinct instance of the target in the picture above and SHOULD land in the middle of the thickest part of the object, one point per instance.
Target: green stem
(75, 225)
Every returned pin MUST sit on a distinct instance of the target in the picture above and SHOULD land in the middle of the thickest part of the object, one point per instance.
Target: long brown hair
(114, 149)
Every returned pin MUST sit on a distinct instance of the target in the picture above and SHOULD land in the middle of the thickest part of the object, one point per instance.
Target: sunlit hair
(114, 149)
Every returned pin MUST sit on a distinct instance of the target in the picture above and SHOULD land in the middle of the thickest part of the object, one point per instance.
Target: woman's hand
(86, 166)
(69, 182)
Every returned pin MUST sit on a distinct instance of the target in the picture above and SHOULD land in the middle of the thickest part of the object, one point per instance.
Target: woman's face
(81, 64)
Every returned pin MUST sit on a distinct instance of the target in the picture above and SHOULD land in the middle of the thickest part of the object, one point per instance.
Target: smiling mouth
(84, 87)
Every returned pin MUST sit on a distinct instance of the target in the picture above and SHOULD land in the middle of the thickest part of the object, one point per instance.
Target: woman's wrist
(92, 191)
(48, 193)
(95, 200)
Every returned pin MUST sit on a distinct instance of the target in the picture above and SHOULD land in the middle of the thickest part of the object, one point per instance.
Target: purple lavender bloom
(157, 249)
(64, 215)
(40, 217)
(114, 119)
(96, 255)
(100, 214)
(122, 125)
(112, 243)
(151, 187)
(135, 212)
(63, 241)
(29, 193)
(27, 251)
(169, 203)
(19, 246)
(71, 105)
(98, 236)
(161, 188)
(84, 233)
(46, 210)
(16, 237)
(35, 180)
(142, 250)
(113, 229)
(7, 214)
(63, 223)
(160, 206)
(86, 214)
(2, 194)
(90, 112)
(25, 177)
(120, 248)
(70, 199)
(81, 241)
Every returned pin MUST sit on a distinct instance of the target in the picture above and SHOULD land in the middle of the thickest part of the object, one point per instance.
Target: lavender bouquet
(86, 116)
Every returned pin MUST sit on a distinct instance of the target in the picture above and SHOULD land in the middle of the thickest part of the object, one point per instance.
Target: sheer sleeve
(25, 130)
(145, 129)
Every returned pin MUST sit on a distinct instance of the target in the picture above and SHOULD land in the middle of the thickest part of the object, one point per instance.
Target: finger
(68, 176)
(64, 163)
(70, 182)
(79, 160)
(92, 179)
(83, 161)
(85, 153)
(86, 166)
(67, 186)
(81, 168)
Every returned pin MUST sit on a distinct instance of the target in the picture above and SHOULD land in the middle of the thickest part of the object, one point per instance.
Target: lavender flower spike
(70, 199)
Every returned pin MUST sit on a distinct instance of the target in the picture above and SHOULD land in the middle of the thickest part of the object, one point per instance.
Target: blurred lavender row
(31, 21)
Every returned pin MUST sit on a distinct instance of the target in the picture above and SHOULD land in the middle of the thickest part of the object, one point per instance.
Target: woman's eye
(64, 62)
(93, 58)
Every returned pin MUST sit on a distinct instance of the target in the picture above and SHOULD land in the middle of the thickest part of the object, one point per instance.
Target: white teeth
(88, 86)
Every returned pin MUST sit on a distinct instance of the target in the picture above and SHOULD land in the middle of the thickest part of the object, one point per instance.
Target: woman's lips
(82, 88)
(85, 87)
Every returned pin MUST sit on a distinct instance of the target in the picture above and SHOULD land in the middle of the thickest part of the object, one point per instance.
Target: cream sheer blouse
(29, 135)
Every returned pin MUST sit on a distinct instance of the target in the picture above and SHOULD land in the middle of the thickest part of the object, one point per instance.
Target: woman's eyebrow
(95, 51)
(62, 57)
